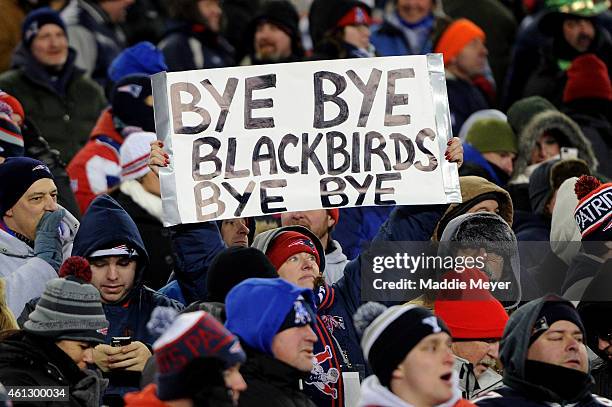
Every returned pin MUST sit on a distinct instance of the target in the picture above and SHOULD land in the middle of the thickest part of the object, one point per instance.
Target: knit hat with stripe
(70, 307)
(11, 140)
(135, 155)
(594, 211)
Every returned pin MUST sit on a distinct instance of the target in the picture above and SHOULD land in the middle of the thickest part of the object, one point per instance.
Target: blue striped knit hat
(70, 307)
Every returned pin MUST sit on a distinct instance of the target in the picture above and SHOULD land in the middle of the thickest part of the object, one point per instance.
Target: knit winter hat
(389, 334)
(594, 211)
(355, 16)
(188, 337)
(14, 103)
(478, 115)
(492, 135)
(132, 102)
(456, 36)
(473, 319)
(70, 307)
(36, 20)
(17, 175)
(11, 140)
(523, 110)
(134, 154)
(554, 311)
(234, 265)
(587, 78)
(281, 13)
(142, 58)
(324, 16)
(287, 244)
(257, 308)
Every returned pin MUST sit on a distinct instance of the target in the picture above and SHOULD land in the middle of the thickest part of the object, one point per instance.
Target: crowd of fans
(97, 297)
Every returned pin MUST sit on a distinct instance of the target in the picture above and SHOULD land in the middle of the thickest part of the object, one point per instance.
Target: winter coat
(373, 394)
(391, 37)
(64, 110)
(26, 275)
(105, 224)
(471, 386)
(464, 98)
(146, 211)
(594, 118)
(473, 158)
(96, 168)
(94, 36)
(473, 187)
(564, 233)
(531, 227)
(271, 382)
(517, 389)
(188, 47)
(545, 122)
(357, 227)
(579, 275)
(548, 80)
(30, 360)
(335, 262)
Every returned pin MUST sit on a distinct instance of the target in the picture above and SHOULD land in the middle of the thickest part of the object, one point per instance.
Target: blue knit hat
(258, 308)
(143, 58)
(17, 175)
(34, 22)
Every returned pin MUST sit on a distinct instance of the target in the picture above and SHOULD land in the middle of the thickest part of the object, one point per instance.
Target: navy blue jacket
(188, 47)
(104, 224)
(506, 396)
(358, 226)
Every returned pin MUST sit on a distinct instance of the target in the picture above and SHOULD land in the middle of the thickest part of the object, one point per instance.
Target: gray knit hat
(70, 308)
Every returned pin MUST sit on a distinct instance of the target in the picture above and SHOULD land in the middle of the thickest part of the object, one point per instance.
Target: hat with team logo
(186, 338)
(594, 211)
(389, 334)
(259, 308)
(17, 175)
(121, 250)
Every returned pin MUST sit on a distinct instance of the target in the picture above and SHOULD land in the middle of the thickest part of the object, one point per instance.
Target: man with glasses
(476, 328)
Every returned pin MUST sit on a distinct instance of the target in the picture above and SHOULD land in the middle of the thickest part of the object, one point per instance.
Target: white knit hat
(135, 155)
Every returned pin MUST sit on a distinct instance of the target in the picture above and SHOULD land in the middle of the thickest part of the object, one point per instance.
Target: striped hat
(135, 155)
(594, 211)
(70, 307)
(11, 140)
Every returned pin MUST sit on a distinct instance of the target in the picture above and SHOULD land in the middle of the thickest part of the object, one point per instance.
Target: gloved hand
(47, 244)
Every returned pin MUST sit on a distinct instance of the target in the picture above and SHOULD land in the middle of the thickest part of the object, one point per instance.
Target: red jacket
(96, 168)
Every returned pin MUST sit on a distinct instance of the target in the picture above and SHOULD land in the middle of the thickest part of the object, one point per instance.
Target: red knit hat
(587, 78)
(473, 313)
(13, 103)
(473, 319)
(335, 214)
(458, 34)
(356, 16)
(287, 244)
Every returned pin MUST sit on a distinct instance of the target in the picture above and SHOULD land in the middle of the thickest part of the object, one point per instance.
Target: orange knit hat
(458, 34)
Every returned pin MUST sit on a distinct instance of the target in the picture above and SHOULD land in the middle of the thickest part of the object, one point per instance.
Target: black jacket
(30, 360)
(271, 382)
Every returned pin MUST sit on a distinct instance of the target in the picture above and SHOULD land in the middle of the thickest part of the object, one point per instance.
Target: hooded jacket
(29, 360)
(25, 274)
(357, 227)
(487, 230)
(105, 224)
(550, 121)
(64, 108)
(96, 168)
(474, 190)
(374, 394)
(517, 389)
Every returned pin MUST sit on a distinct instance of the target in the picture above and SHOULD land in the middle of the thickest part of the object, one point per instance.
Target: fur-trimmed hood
(473, 189)
(552, 120)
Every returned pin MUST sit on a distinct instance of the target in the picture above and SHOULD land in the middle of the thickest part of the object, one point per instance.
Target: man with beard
(273, 35)
(545, 359)
(572, 25)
